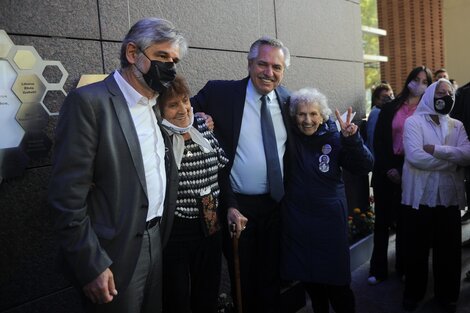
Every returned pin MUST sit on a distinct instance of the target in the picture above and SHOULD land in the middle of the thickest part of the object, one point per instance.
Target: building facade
(414, 37)
(324, 38)
(420, 32)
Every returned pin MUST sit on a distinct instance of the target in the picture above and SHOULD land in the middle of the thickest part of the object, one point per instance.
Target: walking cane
(236, 265)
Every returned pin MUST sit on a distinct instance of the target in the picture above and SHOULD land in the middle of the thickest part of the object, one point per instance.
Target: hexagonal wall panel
(54, 74)
(29, 88)
(31, 91)
(5, 44)
(26, 58)
(12, 132)
(32, 116)
(53, 100)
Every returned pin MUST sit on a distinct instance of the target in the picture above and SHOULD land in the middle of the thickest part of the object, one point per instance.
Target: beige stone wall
(456, 25)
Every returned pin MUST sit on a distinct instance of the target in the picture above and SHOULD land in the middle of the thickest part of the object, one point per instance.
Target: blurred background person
(441, 73)
(192, 257)
(386, 176)
(436, 147)
(461, 111)
(315, 245)
(454, 83)
(381, 94)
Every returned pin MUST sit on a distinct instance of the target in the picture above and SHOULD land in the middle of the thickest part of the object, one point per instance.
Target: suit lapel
(238, 105)
(283, 97)
(128, 129)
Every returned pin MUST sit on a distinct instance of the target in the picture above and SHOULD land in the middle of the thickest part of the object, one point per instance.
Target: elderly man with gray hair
(114, 179)
(251, 124)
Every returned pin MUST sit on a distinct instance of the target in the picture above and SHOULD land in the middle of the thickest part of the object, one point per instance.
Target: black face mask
(160, 74)
(444, 105)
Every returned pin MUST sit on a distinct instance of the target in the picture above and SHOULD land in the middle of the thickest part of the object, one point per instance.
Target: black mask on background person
(159, 75)
(444, 104)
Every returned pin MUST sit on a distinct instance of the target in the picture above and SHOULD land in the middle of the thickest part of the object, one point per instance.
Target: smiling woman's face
(177, 110)
(308, 118)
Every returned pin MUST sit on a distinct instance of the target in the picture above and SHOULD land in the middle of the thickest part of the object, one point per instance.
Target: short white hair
(309, 96)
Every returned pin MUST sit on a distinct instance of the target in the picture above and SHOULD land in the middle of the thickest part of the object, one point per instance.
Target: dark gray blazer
(98, 190)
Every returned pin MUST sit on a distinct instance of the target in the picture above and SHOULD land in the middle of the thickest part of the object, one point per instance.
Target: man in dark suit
(251, 191)
(113, 185)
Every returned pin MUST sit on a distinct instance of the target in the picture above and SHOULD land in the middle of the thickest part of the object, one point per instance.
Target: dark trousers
(388, 213)
(259, 254)
(341, 298)
(144, 293)
(191, 270)
(439, 229)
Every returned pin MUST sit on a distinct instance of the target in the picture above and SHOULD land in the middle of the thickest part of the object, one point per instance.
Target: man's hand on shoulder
(208, 119)
(102, 289)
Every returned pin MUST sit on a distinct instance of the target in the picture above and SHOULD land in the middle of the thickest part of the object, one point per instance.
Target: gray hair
(149, 31)
(309, 96)
(270, 41)
(443, 80)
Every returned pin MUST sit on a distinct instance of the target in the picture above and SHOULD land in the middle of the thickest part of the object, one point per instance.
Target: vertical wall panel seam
(101, 35)
(275, 18)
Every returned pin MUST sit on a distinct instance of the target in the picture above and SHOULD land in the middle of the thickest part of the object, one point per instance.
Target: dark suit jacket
(98, 190)
(385, 159)
(461, 110)
(225, 101)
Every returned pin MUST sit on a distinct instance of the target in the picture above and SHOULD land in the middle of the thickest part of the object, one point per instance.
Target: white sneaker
(372, 280)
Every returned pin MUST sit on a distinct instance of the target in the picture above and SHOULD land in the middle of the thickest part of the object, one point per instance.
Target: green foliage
(369, 13)
(370, 43)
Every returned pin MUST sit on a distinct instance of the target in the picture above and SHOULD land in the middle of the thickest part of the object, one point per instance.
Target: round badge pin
(323, 167)
(326, 149)
(324, 159)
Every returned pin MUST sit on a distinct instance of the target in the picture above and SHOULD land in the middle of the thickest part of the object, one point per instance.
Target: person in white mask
(386, 176)
(192, 257)
(436, 150)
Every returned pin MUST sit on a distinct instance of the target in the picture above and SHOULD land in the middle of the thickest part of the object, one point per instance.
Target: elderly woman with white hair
(315, 246)
(436, 149)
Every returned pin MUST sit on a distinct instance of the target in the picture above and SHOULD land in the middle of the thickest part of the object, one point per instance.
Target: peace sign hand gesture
(347, 128)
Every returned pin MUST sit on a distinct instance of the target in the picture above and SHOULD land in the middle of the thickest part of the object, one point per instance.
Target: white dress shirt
(151, 144)
(249, 172)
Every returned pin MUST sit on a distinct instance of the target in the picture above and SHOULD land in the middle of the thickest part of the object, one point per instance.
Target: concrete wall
(324, 37)
(456, 25)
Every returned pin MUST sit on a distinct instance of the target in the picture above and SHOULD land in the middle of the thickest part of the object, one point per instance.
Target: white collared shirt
(151, 144)
(249, 173)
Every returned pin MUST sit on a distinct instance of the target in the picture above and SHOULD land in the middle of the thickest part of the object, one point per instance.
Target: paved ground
(386, 297)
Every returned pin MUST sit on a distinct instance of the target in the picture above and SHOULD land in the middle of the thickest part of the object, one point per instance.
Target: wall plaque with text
(28, 88)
